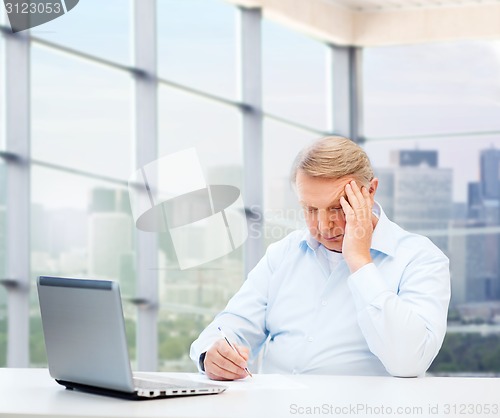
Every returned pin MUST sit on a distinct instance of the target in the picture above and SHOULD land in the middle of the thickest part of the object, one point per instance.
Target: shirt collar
(385, 235)
(308, 240)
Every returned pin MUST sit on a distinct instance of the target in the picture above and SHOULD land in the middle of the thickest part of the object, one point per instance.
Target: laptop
(86, 343)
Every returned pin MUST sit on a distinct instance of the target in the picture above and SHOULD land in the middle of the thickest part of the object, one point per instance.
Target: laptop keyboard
(159, 382)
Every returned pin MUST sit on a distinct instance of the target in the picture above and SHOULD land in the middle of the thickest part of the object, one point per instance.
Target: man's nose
(325, 221)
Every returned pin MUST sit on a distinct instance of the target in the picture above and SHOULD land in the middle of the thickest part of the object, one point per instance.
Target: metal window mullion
(356, 87)
(344, 110)
(17, 82)
(250, 74)
(146, 111)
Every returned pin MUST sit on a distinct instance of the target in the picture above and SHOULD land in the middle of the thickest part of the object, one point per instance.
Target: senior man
(353, 294)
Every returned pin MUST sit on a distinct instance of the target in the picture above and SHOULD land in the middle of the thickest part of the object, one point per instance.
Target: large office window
(295, 97)
(186, 120)
(281, 209)
(197, 45)
(3, 258)
(95, 27)
(189, 299)
(80, 226)
(2, 92)
(295, 79)
(431, 89)
(433, 136)
(81, 114)
(3, 212)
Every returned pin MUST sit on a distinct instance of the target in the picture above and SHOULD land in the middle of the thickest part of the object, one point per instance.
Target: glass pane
(197, 45)
(81, 114)
(213, 129)
(96, 27)
(431, 89)
(294, 76)
(282, 211)
(80, 227)
(449, 190)
(2, 92)
(190, 298)
(3, 259)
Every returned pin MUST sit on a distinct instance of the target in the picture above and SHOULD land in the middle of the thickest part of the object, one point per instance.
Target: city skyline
(74, 183)
(406, 197)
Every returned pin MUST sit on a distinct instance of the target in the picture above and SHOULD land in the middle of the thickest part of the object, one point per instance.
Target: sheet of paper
(257, 382)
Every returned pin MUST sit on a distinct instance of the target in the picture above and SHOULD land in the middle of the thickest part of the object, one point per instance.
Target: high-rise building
(109, 200)
(482, 282)
(475, 206)
(419, 199)
(416, 158)
(490, 174)
(385, 191)
(110, 237)
(110, 234)
(422, 195)
(423, 201)
(483, 197)
(457, 245)
(483, 249)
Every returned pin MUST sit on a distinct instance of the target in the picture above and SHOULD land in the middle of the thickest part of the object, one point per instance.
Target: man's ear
(373, 186)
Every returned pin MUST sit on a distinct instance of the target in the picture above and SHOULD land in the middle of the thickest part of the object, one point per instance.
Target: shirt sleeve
(405, 328)
(244, 318)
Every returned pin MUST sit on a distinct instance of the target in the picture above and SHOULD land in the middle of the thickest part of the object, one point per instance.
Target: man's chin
(332, 245)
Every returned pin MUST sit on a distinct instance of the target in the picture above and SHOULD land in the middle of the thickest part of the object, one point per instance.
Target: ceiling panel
(385, 5)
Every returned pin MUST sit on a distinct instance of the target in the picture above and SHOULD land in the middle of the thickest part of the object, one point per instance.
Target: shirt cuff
(366, 285)
(201, 361)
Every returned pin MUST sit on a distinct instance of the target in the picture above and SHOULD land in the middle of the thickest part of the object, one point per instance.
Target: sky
(430, 90)
(82, 113)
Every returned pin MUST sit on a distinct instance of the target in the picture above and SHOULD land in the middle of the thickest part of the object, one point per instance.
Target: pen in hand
(232, 346)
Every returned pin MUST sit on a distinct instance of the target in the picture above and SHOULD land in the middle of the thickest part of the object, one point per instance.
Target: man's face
(320, 200)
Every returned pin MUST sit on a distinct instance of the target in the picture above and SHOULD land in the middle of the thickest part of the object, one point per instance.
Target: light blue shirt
(302, 304)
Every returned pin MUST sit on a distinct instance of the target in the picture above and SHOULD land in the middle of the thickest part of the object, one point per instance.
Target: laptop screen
(84, 332)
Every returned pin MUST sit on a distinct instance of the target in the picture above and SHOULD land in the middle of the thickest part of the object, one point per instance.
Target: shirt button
(310, 339)
(324, 303)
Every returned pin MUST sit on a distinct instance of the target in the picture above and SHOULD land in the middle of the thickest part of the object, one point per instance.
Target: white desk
(32, 393)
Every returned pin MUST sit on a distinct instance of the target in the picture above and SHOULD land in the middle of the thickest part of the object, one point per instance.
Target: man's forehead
(323, 192)
(303, 178)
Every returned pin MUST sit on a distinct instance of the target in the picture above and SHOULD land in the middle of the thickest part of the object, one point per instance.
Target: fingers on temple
(358, 192)
(353, 199)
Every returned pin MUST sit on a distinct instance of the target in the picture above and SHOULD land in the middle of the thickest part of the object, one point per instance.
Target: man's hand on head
(359, 226)
(223, 363)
